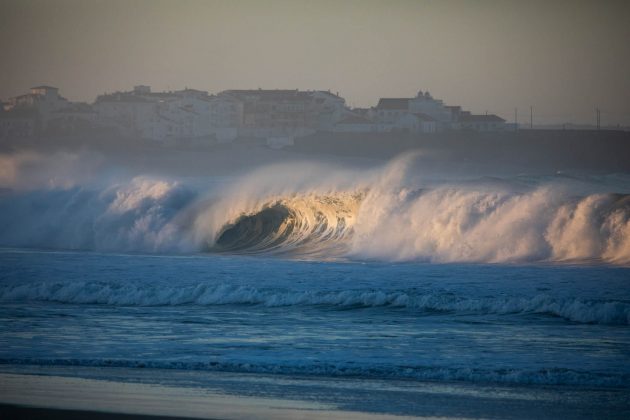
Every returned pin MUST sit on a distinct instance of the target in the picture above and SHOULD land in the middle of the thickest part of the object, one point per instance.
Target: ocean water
(479, 323)
(379, 275)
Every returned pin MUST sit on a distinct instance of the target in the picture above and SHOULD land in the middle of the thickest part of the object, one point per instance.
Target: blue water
(471, 323)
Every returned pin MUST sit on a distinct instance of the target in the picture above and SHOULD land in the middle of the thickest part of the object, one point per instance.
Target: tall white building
(42, 100)
(160, 116)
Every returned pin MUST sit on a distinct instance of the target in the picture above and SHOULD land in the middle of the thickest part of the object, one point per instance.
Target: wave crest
(609, 312)
(319, 224)
(385, 214)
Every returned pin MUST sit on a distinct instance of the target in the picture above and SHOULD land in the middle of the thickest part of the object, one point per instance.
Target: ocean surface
(480, 323)
(325, 275)
(521, 325)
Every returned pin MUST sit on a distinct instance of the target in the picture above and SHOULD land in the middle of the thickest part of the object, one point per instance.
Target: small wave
(578, 310)
(548, 376)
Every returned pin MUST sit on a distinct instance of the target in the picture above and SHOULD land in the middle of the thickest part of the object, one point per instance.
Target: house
(42, 100)
(424, 123)
(425, 104)
(274, 112)
(191, 110)
(226, 111)
(487, 122)
(388, 110)
(40, 96)
(75, 117)
(425, 114)
(131, 113)
(284, 112)
(17, 123)
(330, 109)
(397, 113)
(165, 117)
(226, 116)
(278, 115)
(354, 123)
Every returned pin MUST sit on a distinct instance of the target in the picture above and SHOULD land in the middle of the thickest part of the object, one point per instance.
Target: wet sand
(54, 397)
(16, 412)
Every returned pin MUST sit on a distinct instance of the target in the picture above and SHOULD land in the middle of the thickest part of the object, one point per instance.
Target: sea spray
(322, 212)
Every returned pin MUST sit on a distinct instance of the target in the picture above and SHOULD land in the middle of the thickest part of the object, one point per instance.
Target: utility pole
(598, 115)
(531, 117)
(516, 118)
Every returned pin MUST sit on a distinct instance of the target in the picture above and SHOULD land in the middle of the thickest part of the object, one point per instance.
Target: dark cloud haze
(562, 57)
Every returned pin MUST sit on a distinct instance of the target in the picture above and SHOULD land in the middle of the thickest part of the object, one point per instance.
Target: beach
(230, 397)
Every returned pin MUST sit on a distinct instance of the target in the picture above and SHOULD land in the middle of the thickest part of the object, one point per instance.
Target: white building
(416, 122)
(425, 114)
(331, 108)
(165, 117)
(43, 100)
(17, 123)
(75, 117)
(271, 113)
(422, 114)
(487, 122)
(425, 104)
(129, 112)
(194, 114)
(388, 111)
(354, 123)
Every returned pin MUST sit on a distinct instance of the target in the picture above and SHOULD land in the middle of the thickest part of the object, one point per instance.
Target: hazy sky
(562, 57)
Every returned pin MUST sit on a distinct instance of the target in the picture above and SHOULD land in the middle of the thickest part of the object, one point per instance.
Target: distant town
(278, 115)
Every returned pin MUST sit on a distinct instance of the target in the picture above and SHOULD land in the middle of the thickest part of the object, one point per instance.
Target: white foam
(548, 376)
(572, 309)
(384, 214)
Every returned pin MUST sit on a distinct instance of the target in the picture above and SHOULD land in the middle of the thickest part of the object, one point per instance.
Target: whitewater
(314, 211)
(308, 273)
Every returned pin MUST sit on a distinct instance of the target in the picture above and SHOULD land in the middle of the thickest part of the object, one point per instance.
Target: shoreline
(107, 393)
(20, 412)
(30, 395)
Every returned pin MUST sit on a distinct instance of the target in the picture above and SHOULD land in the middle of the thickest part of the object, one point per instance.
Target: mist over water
(315, 210)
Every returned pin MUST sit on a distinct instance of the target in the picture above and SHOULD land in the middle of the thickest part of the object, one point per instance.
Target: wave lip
(304, 225)
(443, 224)
(607, 312)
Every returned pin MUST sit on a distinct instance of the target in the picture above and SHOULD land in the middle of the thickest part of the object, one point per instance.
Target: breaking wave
(308, 225)
(610, 312)
(317, 212)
